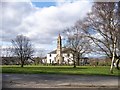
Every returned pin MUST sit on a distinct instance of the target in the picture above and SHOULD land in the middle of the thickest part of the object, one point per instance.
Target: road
(57, 81)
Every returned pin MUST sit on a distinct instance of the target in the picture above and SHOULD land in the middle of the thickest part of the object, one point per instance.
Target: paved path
(52, 80)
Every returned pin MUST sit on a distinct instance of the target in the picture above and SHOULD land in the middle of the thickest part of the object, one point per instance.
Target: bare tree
(22, 48)
(104, 21)
(78, 43)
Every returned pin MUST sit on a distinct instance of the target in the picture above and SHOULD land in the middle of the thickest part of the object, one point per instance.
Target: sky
(40, 21)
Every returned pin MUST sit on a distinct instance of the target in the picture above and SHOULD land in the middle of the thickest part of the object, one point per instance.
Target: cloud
(12, 15)
(41, 25)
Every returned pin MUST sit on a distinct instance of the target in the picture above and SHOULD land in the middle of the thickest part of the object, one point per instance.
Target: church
(60, 55)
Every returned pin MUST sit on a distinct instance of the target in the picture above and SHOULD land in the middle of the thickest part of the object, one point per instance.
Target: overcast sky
(40, 21)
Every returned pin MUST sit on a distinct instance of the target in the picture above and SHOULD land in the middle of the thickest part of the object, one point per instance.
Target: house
(67, 57)
(84, 61)
(60, 55)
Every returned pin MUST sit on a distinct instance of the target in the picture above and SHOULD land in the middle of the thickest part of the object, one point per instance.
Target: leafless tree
(22, 48)
(104, 21)
(77, 42)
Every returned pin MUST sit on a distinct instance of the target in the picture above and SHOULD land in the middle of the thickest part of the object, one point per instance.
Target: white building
(67, 57)
(60, 55)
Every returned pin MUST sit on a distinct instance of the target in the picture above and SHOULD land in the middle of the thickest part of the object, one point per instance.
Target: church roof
(64, 50)
(52, 52)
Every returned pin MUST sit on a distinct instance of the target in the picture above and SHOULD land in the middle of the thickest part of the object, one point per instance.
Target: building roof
(64, 50)
(52, 52)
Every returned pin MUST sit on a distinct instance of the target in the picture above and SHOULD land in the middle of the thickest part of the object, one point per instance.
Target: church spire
(59, 44)
(59, 34)
(59, 50)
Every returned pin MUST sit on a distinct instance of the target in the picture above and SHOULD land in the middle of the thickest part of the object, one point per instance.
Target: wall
(65, 55)
(52, 57)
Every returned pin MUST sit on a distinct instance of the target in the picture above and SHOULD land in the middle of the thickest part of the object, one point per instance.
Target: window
(68, 54)
(50, 61)
(58, 41)
(63, 59)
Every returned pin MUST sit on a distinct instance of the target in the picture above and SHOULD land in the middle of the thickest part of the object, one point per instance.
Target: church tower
(59, 58)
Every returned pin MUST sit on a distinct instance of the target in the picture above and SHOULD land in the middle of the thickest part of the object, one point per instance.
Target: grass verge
(79, 70)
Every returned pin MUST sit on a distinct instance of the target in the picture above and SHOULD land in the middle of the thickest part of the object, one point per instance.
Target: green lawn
(86, 70)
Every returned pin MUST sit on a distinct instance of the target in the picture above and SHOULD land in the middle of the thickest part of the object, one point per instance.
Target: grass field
(86, 70)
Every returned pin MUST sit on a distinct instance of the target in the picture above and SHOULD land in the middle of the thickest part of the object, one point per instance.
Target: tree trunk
(74, 64)
(78, 62)
(112, 64)
(22, 63)
(117, 63)
(74, 58)
(78, 59)
(113, 56)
